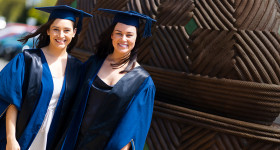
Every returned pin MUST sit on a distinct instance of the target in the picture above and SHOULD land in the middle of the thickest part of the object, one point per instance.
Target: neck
(55, 52)
(115, 57)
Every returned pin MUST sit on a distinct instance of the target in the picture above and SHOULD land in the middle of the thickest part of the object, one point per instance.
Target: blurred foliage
(16, 11)
(12, 10)
(41, 17)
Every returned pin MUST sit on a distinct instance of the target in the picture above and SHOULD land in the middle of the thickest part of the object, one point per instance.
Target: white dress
(40, 141)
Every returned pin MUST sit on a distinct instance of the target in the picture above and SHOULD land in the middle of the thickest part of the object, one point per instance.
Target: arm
(127, 147)
(11, 80)
(11, 118)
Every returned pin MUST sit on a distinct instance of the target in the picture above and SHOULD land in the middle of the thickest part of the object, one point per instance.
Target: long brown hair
(105, 47)
(43, 38)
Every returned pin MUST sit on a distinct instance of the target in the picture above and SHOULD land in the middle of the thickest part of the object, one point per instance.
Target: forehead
(125, 28)
(63, 23)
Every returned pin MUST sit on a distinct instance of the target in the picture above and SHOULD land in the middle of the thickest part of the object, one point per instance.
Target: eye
(55, 29)
(118, 33)
(129, 35)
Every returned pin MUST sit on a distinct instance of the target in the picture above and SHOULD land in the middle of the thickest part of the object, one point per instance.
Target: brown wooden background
(216, 66)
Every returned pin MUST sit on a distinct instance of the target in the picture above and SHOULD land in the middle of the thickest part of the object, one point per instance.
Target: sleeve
(11, 80)
(135, 123)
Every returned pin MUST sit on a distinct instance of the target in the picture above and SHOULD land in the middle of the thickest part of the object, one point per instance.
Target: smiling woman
(117, 94)
(61, 33)
(37, 86)
(123, 39)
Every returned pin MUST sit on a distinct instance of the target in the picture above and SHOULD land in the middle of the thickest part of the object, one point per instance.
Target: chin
(61, 47)
(125, 50)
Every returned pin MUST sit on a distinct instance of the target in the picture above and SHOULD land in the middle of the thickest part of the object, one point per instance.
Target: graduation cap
(131, 18)
(65, 12)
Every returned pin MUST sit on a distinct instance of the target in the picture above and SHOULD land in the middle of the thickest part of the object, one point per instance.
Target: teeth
(123, 45)
(60, 41)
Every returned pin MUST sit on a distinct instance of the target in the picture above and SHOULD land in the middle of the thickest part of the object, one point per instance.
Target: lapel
(31, 87)
(72, 77)
(120, 97)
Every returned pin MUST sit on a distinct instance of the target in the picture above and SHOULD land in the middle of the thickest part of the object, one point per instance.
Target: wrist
(11, 138)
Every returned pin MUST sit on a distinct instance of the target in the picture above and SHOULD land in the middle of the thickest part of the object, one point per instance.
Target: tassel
(147, 30)
(79, 26)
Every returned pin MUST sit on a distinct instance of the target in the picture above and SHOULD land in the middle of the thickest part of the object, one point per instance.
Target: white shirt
(40, 141)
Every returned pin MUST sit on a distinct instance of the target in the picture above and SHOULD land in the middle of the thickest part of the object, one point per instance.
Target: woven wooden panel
(177, 128)
(215, 64)
(208, 92)
(216, 44)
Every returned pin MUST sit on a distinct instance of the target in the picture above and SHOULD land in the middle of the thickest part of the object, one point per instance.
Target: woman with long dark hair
(37, 86)
(117, 95)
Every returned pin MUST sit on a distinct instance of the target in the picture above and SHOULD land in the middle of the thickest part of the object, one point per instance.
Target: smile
(60, 41)
(123, 45)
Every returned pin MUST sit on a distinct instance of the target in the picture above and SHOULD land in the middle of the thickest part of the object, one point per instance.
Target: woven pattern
(208, 92)
(177, 128)
(211, 40)
(258, 56)
(218, 59)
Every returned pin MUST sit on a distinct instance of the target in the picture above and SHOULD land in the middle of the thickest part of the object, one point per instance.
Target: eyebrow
(121, 31)
(58, 27)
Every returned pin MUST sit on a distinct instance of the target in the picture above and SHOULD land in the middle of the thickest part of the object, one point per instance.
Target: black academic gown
(123, 117)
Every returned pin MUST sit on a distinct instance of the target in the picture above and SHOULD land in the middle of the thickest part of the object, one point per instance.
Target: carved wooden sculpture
(216, 65)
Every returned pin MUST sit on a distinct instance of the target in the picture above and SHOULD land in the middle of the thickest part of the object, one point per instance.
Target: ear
(48, 32)
(74, 31)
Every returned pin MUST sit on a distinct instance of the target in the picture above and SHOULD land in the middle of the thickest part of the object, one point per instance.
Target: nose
(124, 38)
(60, 34)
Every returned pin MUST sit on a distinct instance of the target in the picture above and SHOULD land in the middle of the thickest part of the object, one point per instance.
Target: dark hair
(44, 39)
(105, 47)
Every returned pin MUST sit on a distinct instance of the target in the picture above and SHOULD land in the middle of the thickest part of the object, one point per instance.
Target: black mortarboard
(131, 18)
(65, 12)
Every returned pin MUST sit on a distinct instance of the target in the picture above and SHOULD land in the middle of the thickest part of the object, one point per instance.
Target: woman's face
(123, 38)
(61, 33)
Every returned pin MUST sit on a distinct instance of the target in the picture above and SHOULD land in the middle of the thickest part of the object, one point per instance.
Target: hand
(12, 144)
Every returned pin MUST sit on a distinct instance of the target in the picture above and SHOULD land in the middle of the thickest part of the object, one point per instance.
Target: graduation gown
(123, 117)
(26, 82)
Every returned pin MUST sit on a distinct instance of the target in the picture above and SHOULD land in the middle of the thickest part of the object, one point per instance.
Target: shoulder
(148, 81)
(73, 59)
(93, 60)
(32, 54)
(31, 51)
(19, 58)
(14, 67)
(142, 73)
